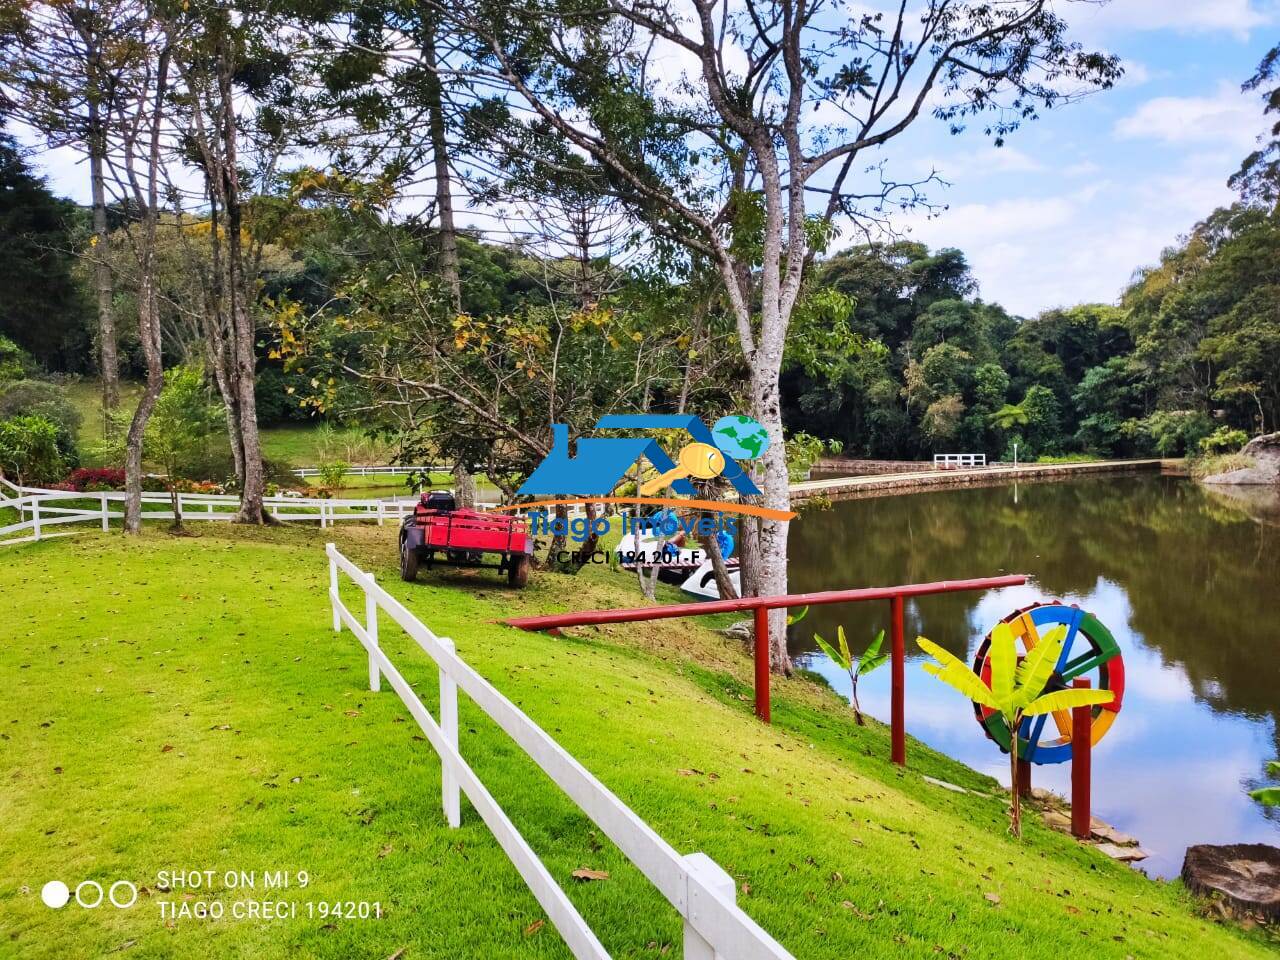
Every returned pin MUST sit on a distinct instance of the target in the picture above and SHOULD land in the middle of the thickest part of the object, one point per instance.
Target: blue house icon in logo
(601, 463)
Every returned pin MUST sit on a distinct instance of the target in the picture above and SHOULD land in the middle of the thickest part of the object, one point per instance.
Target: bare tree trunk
(216, 335)
(771, 576)
(89, 29)
(449, 269)
(558, 539)
(109, 360)
(648, 577)
(149, 336)
(175, 502)
(253, 488)
(464, 486)
(148, 306)
(724, 585)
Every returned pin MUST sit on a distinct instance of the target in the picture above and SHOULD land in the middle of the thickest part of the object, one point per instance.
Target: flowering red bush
(95, 478)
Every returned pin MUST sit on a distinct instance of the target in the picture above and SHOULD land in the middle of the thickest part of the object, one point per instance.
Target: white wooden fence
(715, 928)
(375, 471)
(39, 509)
(955, 461)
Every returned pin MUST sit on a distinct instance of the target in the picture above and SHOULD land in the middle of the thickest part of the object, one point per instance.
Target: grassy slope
(297, 444)
(220, 648)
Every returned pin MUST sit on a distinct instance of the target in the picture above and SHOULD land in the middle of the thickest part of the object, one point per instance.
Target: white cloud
(1227, 117)
(1036, 250)
(1237, 17)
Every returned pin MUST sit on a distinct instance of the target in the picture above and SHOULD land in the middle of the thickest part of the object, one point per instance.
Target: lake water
(1188, 582)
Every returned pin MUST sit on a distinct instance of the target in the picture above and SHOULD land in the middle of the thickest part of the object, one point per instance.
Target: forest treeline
(910, 359)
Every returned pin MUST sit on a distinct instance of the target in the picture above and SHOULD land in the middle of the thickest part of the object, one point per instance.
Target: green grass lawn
(296, 444)
(183, 704)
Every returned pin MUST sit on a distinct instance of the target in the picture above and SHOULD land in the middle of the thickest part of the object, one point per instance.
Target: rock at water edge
(1265, 453)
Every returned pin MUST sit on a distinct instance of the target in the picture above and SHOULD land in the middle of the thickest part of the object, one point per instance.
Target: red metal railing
(897, 597)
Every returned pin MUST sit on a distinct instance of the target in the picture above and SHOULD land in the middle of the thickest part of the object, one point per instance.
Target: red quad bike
(438, 532)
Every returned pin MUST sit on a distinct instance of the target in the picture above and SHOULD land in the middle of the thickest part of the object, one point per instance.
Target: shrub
(1176, 432)
(332, 472)
(804, 450)
(43, 399)
(1223, 440)
(95, 479)
(29, 450)
(1215, 464)
(15, 363)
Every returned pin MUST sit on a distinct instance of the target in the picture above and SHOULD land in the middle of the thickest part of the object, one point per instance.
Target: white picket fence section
(955, 461)
(375, 471)
(715, 928)
(39, 509)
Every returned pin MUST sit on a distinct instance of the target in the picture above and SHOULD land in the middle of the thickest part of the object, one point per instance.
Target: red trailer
(438, 532)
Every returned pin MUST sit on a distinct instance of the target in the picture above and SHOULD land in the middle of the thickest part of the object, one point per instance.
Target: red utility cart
(438, 532)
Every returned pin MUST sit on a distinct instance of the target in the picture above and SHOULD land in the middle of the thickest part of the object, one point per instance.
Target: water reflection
(1188, 581)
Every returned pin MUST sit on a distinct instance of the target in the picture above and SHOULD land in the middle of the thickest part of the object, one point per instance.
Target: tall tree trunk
(464, 486)
(148, 305)
(771, 575)
(558, 540)
(149, 337)
(253, 488)
(88, 28)
(216, 332)
(449, 269)
(109, 360)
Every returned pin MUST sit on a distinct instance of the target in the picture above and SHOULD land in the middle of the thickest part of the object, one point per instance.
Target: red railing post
(762, 663)
(898, 670)
(1081, 764)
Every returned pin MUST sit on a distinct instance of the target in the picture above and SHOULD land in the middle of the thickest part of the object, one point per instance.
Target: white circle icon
(133, 894)
(55, 894)
(93, 884)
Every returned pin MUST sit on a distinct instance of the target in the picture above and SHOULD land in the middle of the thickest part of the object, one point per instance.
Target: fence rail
(376, 471)
(954, 461)
(38, 509)
(699, 890)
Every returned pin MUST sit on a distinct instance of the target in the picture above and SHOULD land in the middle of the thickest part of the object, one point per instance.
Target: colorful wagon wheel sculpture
(1088, 651)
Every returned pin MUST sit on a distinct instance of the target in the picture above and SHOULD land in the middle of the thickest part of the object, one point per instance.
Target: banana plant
(856, 668)
(1269, 796)
(1016, 689)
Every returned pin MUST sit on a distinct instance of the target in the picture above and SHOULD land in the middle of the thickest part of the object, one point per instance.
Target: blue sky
(1076, 201)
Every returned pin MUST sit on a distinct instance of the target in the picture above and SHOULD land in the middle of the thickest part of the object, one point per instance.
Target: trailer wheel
(408, 563)
(518, 571)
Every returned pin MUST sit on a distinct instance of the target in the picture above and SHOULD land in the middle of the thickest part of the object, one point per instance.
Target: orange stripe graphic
(716, 505)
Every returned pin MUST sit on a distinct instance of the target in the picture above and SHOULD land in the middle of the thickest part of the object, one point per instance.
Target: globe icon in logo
(741, 437)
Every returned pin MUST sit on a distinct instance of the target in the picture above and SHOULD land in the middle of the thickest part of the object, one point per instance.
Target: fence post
(106, 520)
(35, 516)
(451, 795)
(898, 683)
(333, 587)
(371, 628)
(1081, 765)
(762, 663)
(380, 513)
(696, 947)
